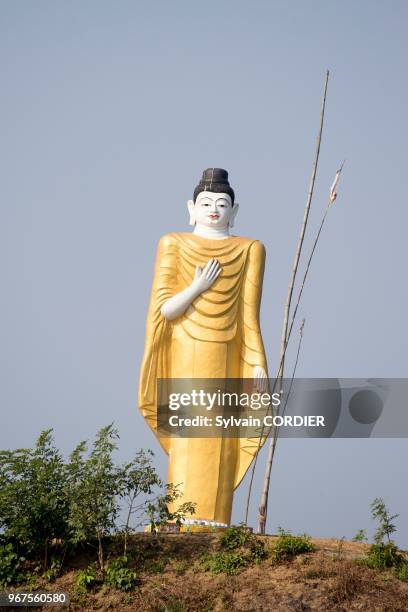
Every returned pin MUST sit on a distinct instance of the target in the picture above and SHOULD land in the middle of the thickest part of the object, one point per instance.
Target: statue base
(188, 528)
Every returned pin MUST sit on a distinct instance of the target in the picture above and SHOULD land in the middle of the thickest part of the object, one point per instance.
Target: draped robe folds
(217, 337)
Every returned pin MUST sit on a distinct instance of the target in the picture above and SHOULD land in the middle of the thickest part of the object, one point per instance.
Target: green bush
(119, 576)
(386, 556)
(257, 550)
(288, 546)
(180, 567)
(239, 549)
(10, 563)
(86, 578)
(49, 505)
(402, 571)
(156, 566)
(361, 536)
(382, 556)
(52, 573)
(225, 562)
(235, 537)
(384, 553)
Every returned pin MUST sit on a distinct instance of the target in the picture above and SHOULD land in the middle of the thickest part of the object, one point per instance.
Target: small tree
(33, 497)
(94, 484)
(158, 511)
(44, 498)
(383, 555)
(386, 527)
(139, 477)
(361, 536)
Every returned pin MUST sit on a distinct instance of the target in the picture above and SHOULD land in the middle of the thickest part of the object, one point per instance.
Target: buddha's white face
(214, 210)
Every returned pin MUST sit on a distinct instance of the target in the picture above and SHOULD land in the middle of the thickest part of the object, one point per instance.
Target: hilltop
(179, 573)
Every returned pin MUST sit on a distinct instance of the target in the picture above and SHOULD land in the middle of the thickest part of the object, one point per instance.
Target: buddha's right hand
(177, 305)
(205, 277)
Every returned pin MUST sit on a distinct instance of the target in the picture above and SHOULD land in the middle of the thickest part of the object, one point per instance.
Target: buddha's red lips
(214, 216)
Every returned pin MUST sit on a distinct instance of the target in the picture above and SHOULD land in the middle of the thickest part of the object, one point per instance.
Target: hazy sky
(110, 111)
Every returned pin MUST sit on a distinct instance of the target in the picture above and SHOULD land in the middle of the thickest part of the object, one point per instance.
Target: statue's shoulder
(168, 240)
(177, 240)
(253, 244)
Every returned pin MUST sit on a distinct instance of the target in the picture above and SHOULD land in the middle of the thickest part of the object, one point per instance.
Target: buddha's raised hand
(177, 305)
(205, 277)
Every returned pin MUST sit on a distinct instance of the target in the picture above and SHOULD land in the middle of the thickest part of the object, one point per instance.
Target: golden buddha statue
(203, 322)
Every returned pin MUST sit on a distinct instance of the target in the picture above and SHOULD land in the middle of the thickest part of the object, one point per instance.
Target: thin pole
(263, 506)
(272, 445)
(332, 197)
(284, 338)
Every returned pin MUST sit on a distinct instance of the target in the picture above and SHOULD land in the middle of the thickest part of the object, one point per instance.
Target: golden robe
(217, 337)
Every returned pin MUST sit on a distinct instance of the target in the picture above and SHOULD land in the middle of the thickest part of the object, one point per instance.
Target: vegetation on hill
(72, 525)
(51, 509)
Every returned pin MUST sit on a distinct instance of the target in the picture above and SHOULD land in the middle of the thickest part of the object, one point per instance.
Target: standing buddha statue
(203, 322)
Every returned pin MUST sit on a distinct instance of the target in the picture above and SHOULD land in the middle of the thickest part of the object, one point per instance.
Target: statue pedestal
(173, 528)
(166, 528)
(201, 529)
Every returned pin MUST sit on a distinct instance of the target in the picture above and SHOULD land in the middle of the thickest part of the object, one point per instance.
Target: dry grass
(327, 579)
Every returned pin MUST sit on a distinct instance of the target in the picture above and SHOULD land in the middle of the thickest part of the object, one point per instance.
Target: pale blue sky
(110, 111)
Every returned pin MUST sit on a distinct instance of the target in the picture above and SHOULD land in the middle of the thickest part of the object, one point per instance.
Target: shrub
(288, 546)
(239, 549)
(49, 505)
(52, 573)
(402, 571)
(155, 566)
(361, 536)
(385, 555)
(382, 556)
(10, 564)
(257, 550)
(119, 576)
(234, 537)
(224, 562)
(86, 578)
(180, 567)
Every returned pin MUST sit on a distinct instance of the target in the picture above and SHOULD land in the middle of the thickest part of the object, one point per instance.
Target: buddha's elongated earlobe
(233, 214)
(191, 210)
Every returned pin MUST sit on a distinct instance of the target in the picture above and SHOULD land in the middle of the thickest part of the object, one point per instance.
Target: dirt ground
(327, 579)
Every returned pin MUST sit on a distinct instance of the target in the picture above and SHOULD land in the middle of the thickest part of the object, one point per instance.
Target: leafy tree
(383, 555)
(94, 484)
(158, 511)
(139, 477)
(46, 501)
(386, 527)
(33, 500)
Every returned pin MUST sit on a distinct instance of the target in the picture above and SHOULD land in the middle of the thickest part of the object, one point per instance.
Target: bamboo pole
(263, 506)
(285, 335)
(332, 197)
(275, 434)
